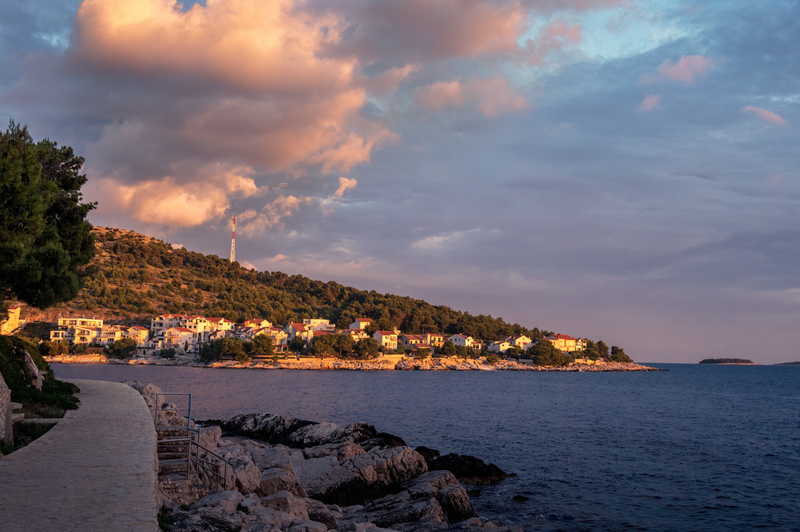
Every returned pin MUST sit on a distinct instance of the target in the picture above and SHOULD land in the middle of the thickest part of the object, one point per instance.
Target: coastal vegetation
(726, 361)
(45, 240)
(134, 277)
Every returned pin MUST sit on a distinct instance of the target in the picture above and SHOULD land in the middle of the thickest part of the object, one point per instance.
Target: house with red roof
(387, 339)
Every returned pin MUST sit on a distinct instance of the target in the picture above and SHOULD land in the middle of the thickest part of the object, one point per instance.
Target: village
(185, 335)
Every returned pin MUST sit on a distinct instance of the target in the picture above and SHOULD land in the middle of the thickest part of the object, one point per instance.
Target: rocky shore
(406, 364)
(300, 476)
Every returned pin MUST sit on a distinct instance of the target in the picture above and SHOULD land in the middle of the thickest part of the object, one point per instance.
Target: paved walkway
(94, 471)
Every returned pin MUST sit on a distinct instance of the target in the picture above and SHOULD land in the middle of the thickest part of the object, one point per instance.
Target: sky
(623, 170)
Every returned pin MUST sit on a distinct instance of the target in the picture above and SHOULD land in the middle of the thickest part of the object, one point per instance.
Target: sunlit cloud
(686, 70)
(767, 116)
(650, 102)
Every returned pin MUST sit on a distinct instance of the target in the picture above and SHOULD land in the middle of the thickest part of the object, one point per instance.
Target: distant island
(789, 363)
(741, 361)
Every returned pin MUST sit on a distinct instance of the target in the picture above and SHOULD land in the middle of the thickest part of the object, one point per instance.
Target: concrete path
(94, 471)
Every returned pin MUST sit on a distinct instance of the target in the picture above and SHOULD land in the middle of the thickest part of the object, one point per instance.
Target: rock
(269, 457)
(209, 437)
(468, 469)
(211, 519)
(247, 475)
(285, 502)
(147, 390)
(270, 516)
(275, 479)
(227, 500)
(427, 453)
(452, 496)
(307, 526)
(362, 477)
(248, 506)
(357, 527)
(319, 511)
(429, 502)
(341, 451)
(294, 432)
(520, 498)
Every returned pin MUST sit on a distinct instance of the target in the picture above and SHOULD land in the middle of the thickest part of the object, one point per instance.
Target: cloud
(492, 96)
(344, 185)
(278, 258)
(685, 70)
(272, 214)
(767, 116)
(164, 201)
(650, 102)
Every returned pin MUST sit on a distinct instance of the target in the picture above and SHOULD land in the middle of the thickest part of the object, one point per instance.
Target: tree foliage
(262, 346)
(366, 348)
(618, 355)
(45, 239)
(124, 348)
(544, 353)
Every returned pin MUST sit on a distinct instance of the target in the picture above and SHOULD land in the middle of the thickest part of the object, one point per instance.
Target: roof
(215, 320)
(558, 337)
(460, 336)
(180, 329)
(414, 337)
(386, 333)
(362, 319)
(139, 328)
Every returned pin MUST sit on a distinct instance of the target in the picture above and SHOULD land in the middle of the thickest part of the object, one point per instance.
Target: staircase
(182, 460)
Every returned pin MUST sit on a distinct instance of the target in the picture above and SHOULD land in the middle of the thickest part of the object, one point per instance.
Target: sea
(694, 448)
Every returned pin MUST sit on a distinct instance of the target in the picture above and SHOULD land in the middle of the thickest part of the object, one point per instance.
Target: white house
(386, 339)
(460, 339)
(319, 325)
(178, 338)
(161, 323)
(500, 346)
(301, 330)
(361, 323)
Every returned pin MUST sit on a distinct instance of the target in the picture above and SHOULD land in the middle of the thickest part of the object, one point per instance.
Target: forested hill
(135, 277)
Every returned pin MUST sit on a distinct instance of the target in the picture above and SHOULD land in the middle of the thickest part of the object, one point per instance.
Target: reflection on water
(695, 448)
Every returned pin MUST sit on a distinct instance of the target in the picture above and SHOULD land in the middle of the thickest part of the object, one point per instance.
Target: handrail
(193, 447)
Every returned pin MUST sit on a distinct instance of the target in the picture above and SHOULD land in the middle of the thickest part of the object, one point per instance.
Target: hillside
(134, 277)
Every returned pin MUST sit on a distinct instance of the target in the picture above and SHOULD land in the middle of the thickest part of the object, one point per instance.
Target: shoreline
(294, 475)
(436, 364)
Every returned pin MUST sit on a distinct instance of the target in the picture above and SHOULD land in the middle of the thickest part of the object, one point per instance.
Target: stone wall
(5, 398)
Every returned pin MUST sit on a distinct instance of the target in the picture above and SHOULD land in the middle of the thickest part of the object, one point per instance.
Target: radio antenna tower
(233, 241)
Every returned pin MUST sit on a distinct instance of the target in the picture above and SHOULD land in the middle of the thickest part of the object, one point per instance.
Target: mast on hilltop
(233, 241)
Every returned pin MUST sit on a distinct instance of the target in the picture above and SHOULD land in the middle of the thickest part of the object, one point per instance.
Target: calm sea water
(696, 448)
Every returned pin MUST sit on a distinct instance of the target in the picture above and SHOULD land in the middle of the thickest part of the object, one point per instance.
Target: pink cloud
(492, 96)
(345, 184)
(272, 214)
(765, 115)
(650, 102)
(686, 69)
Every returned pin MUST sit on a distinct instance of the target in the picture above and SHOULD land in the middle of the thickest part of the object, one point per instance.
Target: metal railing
(181, 445)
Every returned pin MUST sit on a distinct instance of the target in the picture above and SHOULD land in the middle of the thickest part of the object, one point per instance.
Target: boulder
(247, 475)
(276, 479)
(285, 502)
(295, 432)
(307, 526)
(269, 457)
(272, 517)
(319, 512)
(341, 451)
(428, 454)
(468, 469)
(431, 501)
(227, 500)
(209, 437)
(211, 519)
(362, 477)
